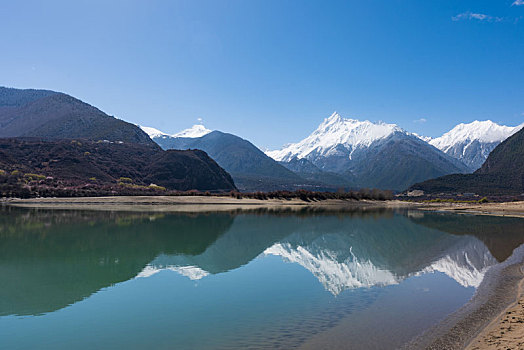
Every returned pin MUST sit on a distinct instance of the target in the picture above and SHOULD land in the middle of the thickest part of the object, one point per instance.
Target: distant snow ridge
(471, 143)
(483, 131)
(197, 130)
(152, 132)
(335, 131)
(335, 276)
(423, 138)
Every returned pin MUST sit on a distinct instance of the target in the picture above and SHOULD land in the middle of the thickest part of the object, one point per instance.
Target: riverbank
(227, 203)
(513, 209)
(196, 203)
(505, 331)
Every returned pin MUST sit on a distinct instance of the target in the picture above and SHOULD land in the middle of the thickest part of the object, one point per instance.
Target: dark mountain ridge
(401, 160)
(309, 171)
(119, 166)
(53, 115)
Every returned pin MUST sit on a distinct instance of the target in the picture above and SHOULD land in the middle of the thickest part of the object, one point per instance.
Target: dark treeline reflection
(50, 259)
(500, 234)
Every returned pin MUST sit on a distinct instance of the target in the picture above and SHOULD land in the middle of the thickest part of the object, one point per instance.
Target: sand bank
(193, 203)
(513, 209)
(215, 203)
(504, 332)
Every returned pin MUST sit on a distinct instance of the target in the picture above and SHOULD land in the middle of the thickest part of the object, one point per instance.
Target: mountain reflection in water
(51, 259)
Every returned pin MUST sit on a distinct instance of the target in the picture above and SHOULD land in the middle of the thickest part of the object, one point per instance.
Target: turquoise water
(110, 280)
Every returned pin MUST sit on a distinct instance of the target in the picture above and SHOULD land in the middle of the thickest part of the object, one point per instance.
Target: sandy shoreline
(493, 319)
(513, 209)
(505, 331)
(472, 324)
(212, 203)
(194, 203)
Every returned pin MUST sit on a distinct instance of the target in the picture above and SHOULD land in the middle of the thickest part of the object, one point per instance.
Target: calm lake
(312, 280)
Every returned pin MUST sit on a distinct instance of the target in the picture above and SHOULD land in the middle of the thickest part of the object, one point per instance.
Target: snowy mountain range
(472, 143)
(369, 154)
(336, 132)
(345, 152)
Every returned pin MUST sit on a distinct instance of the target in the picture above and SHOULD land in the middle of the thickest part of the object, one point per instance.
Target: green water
(110, 280)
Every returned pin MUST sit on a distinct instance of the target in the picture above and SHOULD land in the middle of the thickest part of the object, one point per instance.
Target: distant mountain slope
(309, 171)
(80, 162)
(502, 173)
(401, 160)
(370, 154)
(472, 143)
(54, 115)
(250, 167)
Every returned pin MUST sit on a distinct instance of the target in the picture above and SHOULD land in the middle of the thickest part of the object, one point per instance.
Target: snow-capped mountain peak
(471, 143)
(197, 130)
(335, 131)
(152, 132)
(482, 131)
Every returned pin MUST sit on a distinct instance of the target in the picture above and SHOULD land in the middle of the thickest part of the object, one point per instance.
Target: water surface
(111, 280)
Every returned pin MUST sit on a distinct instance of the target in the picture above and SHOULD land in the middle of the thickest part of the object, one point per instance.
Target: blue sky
(270, 71)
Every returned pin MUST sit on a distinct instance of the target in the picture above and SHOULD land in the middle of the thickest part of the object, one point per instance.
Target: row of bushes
(453, 200)
(305, 195)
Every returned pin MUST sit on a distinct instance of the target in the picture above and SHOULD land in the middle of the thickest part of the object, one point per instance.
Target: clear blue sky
(270, 71)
